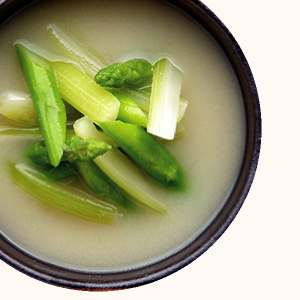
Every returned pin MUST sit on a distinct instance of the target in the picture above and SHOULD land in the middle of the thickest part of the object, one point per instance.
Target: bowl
(63, 276)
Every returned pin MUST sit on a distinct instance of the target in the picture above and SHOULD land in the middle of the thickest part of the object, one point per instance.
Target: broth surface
(210, 152)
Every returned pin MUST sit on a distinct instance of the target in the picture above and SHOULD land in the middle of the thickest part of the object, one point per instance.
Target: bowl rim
(64, 277)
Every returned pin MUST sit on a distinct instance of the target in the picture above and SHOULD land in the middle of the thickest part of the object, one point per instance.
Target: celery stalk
(121, 170)
(84, 94)
(77, 203)
(89, 63)
(164, 99)
(12, 130)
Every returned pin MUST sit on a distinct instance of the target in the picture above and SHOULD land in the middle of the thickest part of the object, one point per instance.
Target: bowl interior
(65, 277)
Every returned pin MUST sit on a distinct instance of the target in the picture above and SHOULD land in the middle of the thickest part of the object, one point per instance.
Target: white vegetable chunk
(164, 99)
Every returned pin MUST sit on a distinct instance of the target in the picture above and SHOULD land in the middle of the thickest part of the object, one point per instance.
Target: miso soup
(210, 148)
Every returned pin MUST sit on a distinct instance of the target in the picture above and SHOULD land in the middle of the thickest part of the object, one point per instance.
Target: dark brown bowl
(56, 275)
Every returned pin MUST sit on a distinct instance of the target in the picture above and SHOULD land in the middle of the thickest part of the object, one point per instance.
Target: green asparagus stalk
(48, 104)
(62, 171)
(129, 111)
(133, 181)
(65, 199)
(100, 183)
(76, 149)
(157, 161)
(133, 73)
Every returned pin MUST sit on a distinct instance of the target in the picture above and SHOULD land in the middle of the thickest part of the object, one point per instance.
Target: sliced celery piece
(18, 107)
(121, 170)
(28, 131)
(84, 94)
(164, 99)
(89, 62)
(54, 194)
(11, 130)
(48, 104)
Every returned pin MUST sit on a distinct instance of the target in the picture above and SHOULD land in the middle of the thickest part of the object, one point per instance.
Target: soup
(210, 150)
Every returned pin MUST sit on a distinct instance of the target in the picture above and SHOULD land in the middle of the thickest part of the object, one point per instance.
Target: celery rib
(164, 99)
(78, 204)
(89, 63)
(84, 94)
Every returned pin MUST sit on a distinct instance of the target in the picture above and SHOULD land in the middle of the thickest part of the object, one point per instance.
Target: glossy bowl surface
(59, 276)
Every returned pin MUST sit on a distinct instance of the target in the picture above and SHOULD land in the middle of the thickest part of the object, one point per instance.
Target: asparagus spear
(130, 111)
(121, 170)
(76, 149)
(62, 171)
(159, 163)
(48, 104)
(100, 183)
(133, 73)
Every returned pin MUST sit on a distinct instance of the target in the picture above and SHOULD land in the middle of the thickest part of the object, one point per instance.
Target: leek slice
(164, 99)
(18, 107)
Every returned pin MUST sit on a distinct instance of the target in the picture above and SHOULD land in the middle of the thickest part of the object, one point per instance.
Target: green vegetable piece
(84, 94)
(76, 149)
(142, 98)
(100, 183)
(62, 171)
(130, 111)
(18, 107)
(159, 163)
(130, 178)
(164, 99)
(133, 73)
(66, 199)
(90, 63)
(48, 104)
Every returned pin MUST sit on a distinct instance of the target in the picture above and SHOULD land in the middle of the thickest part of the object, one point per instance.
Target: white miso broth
(210, 151)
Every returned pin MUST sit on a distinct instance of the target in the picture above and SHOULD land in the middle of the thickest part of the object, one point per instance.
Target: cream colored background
(258, 256)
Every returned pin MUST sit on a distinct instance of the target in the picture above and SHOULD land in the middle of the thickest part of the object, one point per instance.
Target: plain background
(258, 256)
